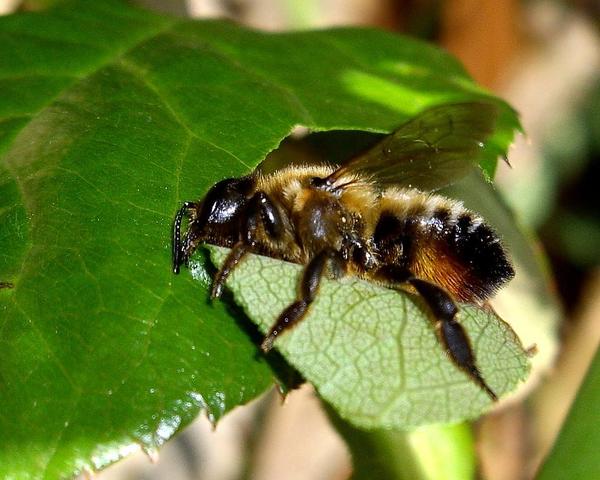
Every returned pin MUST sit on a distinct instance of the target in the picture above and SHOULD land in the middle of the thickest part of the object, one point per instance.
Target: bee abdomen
(443, 242)
(477, 246)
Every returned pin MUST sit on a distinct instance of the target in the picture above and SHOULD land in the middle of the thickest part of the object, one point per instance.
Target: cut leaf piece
(372, 352)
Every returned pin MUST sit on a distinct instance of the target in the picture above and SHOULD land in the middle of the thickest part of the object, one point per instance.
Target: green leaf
(575, 453)
(110, 117)
(372, 352)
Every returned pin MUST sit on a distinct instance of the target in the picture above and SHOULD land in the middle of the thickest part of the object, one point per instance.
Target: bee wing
(430, 151)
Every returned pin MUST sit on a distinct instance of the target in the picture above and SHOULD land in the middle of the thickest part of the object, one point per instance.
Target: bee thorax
(321, 221)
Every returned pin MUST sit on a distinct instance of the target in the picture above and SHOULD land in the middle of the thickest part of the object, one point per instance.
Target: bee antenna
(176, 241)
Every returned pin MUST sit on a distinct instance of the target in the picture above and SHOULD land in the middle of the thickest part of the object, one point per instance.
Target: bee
(375, 217)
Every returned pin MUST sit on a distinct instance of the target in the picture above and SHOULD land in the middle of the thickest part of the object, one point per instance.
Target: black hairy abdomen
(479, 249)
(459, 253)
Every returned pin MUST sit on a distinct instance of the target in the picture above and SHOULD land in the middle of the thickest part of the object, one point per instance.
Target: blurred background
(543, 57)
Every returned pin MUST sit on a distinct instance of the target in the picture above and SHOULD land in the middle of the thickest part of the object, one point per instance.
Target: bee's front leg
(238, 251)
(260, 211)
(309, 285)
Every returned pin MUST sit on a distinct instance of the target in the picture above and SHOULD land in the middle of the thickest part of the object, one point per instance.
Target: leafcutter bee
(373, 216)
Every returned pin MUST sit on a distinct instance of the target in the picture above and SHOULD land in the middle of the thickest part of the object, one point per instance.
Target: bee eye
(224, 201)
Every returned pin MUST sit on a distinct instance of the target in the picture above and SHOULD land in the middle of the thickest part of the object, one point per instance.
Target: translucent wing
(430, 151)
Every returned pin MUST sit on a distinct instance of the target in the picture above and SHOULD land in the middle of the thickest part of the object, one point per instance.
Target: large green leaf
(110, 117)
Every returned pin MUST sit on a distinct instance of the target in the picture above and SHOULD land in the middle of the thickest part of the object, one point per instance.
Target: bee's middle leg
(260, 211)
(309, 285)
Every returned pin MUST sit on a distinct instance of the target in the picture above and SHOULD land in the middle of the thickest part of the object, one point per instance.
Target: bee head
(216, 219)
(222, 205)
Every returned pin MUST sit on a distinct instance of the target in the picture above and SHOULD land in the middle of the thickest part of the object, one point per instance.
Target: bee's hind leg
(309, 285)
(451, 333)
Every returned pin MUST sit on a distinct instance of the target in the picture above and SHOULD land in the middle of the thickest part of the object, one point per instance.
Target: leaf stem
(433, 452)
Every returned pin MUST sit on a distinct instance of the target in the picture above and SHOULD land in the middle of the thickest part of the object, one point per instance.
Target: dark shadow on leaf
(287, 377)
